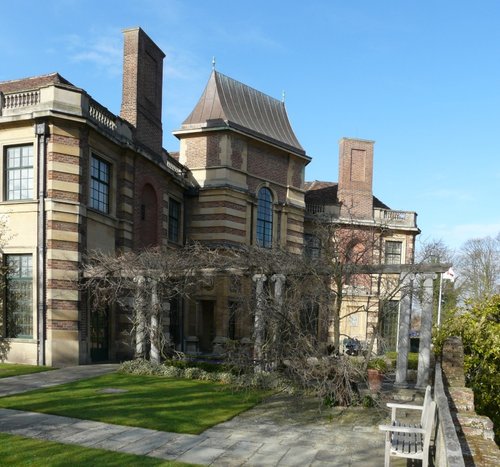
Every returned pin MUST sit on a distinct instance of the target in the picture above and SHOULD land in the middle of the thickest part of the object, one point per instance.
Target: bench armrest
(401, 429)
(404, 406)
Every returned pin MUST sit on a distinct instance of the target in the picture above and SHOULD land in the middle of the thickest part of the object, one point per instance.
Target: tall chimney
(355, 190)
(142, 87)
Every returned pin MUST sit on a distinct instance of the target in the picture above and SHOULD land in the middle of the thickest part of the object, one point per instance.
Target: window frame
(391, 256)
(19, 168)
(95, 202)
(265, 218)
(174, 222)
(312, 246)
(26, 304)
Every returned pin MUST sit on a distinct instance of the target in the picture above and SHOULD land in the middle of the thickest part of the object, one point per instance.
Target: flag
(450, 275)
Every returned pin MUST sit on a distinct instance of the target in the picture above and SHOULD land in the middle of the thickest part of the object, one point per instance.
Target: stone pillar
(279, 284)
(155, 328)
(139, 317)
(258, 329)
(404, 331)
(424, 350)
(279, 280)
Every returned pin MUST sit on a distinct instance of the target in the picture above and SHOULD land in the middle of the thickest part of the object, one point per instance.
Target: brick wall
(355, 178)
(142, 87)
(475, 432)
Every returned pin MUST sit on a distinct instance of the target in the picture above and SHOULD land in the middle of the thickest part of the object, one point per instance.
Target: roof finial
(213, 63)
(283, 95)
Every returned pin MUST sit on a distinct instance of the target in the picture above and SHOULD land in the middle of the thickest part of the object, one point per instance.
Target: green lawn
(13, 369)
(159, 403)
(17, 450)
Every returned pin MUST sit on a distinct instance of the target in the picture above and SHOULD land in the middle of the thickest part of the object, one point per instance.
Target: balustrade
(21, 99)
(101, 115)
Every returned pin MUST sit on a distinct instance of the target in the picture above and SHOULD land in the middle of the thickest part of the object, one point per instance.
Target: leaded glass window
(174, 220)
(19, 172)
(265, 218)
(100, 177)
(19, 296)
(393, 252)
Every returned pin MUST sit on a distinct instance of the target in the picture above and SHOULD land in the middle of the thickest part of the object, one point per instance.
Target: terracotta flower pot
(375, 378)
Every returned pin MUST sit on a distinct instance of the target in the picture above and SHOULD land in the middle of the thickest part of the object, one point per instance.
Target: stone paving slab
(279, 432)
(24, 383)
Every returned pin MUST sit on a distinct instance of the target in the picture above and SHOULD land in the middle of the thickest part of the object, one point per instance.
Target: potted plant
(377, 367)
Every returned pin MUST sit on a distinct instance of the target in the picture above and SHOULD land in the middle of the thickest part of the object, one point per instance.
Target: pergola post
(404, 330)
(258, 330)
(155, 315)
(139, 317)
(424, 350)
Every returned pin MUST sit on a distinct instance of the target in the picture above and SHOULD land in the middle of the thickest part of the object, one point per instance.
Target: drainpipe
(42, 133)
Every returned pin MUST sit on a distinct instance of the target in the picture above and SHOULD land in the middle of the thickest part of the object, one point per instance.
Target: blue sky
(421, 78)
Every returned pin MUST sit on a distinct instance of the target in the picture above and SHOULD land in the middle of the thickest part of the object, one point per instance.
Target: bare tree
(436, 251)
(479, 268)
(144, 283)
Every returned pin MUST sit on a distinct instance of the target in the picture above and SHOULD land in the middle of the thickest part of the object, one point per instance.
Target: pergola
(409, 273)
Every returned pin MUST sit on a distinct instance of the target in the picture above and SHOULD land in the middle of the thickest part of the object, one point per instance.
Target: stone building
(79, 178)
(364, 231)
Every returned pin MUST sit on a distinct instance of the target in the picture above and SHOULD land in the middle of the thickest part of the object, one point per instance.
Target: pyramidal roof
(227, 102)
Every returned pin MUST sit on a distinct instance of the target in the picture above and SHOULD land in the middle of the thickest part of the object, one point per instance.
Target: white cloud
(103, 51)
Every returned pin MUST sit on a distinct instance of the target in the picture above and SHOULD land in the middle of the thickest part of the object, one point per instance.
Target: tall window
(265, 218)
(393, 252)
(19, 172)
(174, 220)
(19, 296)
(100, 177)
(312, 246)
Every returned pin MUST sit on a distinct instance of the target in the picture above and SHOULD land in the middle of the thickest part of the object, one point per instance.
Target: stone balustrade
(102, 116)
(395, 218)
(21, 99)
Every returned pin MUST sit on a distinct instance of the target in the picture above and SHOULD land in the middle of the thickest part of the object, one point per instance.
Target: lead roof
(229, 103)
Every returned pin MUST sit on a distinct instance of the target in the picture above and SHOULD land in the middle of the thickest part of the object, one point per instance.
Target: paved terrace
(282, 431)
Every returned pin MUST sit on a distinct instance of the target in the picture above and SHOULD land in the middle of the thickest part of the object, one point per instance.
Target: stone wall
(475, 431)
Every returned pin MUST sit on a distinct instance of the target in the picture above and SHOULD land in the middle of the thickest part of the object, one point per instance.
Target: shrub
(412, 359)
(378, 364)
(478, 325)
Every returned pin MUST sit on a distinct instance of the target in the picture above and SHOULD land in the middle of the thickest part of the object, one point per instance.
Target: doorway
(207, 325)
(99, 334)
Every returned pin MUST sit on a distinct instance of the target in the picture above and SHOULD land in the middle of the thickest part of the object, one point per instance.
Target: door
(99, 334)
(207, 325)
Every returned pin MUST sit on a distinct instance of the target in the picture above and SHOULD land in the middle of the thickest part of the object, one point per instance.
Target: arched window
(265, 218)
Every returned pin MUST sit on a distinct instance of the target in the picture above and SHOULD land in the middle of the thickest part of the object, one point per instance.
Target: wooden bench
(408, 440)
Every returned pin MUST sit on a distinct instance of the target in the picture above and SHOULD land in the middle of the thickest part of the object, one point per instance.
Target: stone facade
(104, 182)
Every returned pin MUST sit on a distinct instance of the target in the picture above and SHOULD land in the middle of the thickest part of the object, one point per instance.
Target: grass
(159, 403)
(12, 369)
(18, 450)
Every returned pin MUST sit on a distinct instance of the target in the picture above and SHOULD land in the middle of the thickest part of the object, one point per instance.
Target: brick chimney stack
(355, 190)
(142, 87)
